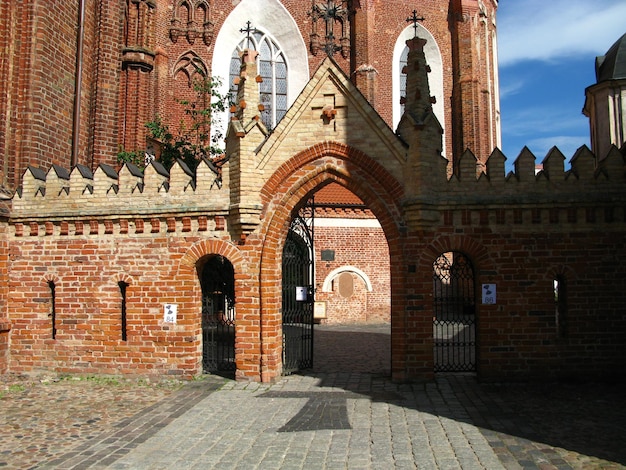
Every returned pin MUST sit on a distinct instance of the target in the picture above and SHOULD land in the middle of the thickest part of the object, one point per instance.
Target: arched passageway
(337, 252)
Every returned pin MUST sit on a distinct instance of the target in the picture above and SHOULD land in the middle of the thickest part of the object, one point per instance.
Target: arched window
(272, 67)
(435, 77)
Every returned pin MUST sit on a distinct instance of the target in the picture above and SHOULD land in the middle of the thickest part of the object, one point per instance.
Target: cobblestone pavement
(344, 414)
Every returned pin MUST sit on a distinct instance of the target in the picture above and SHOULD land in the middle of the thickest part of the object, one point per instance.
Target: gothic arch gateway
(342, 165)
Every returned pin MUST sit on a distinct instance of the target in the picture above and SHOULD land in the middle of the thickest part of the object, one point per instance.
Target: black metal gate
(454, 314)
(298, 292)
(218, 315)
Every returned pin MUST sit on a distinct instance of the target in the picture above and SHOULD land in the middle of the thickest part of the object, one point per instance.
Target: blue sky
(546, 53)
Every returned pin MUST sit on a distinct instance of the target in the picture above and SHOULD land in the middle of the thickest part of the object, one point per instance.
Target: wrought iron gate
(298, 292)
(454, 314)
(218, 315)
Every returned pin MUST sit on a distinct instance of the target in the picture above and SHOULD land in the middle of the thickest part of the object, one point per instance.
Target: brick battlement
(59, 194)
(588, 179)
(81, 193)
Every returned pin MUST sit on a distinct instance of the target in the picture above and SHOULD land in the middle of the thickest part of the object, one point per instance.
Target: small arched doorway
(217, 279)
(454, 313)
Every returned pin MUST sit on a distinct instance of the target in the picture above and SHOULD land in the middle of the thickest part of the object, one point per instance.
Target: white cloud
(547, 30)
(511, 88)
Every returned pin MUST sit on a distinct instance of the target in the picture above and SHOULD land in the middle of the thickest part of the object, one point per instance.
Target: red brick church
(361, 181)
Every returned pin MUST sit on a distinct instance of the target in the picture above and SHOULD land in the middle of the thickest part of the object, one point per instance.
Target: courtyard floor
(344, 413)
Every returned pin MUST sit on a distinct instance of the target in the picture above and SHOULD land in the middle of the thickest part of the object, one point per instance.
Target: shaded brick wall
(520, 336)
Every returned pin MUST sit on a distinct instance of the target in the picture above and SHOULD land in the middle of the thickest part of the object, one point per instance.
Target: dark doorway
(454, 313)
(298, 292)
(217, 279)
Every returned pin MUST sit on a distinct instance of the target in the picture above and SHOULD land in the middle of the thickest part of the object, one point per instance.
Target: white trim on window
(435, 77)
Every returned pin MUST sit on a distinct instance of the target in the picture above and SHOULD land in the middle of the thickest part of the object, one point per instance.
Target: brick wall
(366, 250)
(513, 241)
(149, 256)
(520, 336)
(5, 325)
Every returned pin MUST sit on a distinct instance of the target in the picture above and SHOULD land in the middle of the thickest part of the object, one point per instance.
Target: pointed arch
(183, 11)
(286, 191)
(341, 159)
(191, 65)
(202, 13)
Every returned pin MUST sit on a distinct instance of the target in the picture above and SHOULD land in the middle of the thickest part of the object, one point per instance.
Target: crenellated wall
(59, 193)
(86, 233)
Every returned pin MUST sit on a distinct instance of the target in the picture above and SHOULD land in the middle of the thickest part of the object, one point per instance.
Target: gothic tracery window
(191, 66)
(272, 67)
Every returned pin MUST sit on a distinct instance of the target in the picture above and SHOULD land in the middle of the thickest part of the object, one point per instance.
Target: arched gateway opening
(308, 174)
(454, 313)
(217, 280)
(336, 290)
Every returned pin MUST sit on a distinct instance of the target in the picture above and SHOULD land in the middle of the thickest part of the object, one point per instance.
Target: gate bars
(218, 316)
(298, 291)
(454, 314)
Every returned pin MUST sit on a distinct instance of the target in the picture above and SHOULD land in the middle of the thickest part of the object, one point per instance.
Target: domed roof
(612, 65)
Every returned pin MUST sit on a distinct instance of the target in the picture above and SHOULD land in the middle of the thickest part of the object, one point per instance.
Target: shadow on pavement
(585, 418)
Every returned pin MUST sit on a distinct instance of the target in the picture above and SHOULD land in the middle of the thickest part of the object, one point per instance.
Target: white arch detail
(327, 286)
(271, 17)
(435, 77)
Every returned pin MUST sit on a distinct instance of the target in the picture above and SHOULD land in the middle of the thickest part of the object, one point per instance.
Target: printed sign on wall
(489, 293)
(169, 313)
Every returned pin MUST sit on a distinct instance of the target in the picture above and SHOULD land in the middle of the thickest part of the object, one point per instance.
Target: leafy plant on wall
(197, 136)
